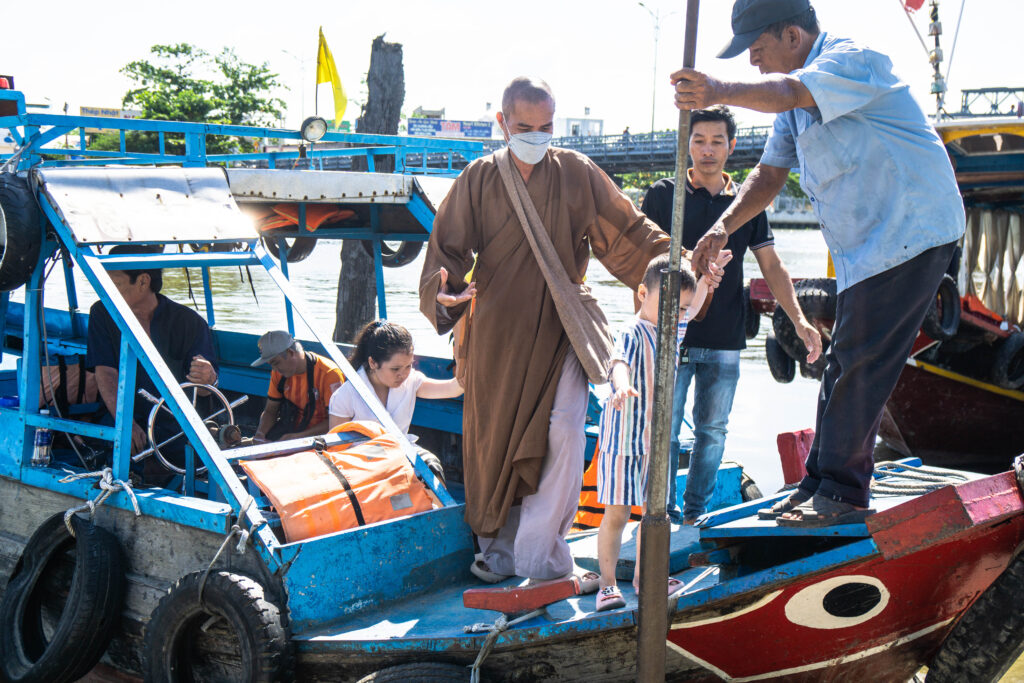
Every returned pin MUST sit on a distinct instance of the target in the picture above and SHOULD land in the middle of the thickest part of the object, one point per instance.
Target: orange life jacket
(343, 486)
(590, 512)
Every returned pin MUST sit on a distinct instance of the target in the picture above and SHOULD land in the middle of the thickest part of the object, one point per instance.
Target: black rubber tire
(395, 258)
(1008, 364)
(942, 320)
(749, 490)
(818, 300)
(298, 248)
(67, 650)
(782, 367)
(420, 672)
(751, 319)
(989, 638)
(170, 645)
(20, 231)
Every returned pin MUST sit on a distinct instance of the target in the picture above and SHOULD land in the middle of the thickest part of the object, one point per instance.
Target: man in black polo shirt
(710, 352)
(180, 335)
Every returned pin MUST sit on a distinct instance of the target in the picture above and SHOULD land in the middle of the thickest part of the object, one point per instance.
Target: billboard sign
(449, 129)
(108, 113)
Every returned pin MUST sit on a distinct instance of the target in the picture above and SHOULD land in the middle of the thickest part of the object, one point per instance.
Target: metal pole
(654, 76)
(655, 528)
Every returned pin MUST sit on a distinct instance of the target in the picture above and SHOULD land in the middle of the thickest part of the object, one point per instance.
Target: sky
(459, 54)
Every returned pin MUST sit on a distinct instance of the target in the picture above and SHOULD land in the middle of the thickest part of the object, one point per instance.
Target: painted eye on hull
(838, 602)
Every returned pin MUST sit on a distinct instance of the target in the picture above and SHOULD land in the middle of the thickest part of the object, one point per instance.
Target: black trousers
(877, 321)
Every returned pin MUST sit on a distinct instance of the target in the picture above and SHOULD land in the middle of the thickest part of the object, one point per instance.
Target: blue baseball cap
(751, 17)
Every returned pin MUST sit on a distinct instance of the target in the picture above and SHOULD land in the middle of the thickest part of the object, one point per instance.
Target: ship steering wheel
(158, 404)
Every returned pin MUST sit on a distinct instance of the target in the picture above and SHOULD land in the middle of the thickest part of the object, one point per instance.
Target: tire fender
(257, 623)
(1008, 364)
(942, 319)
(782, 367)
(20, 230)
(405, 254)
(818, 299)
(299, 248)
(91, 611)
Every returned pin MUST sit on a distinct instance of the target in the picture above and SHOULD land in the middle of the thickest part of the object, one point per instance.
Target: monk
(526, 392)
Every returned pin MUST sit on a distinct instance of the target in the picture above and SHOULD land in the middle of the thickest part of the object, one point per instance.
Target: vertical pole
(654, 76)
(125, 416)
(208, 296)
(282, 251)
(655, 528)
(378, 262)
(72, 292)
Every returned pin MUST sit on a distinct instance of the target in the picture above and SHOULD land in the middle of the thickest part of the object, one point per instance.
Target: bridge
(615, 154)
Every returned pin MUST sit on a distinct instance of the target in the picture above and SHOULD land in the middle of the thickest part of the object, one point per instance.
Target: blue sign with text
(449, 129)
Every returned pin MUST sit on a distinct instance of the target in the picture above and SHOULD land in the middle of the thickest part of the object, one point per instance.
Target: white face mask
(531, 147)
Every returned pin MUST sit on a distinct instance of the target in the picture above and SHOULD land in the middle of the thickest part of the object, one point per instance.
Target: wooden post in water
(655, 528)
(385, 83)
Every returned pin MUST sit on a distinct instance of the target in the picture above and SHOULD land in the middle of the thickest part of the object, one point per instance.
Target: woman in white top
(383, 359)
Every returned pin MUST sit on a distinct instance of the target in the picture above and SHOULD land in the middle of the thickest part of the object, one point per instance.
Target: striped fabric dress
(625, 435)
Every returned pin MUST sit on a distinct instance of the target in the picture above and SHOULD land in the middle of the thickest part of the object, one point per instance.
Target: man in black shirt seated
(181, 335)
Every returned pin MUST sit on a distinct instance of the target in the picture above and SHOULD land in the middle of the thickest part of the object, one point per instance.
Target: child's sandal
(609, 597)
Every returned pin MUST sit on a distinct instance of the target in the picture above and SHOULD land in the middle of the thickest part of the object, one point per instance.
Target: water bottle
(43, 444)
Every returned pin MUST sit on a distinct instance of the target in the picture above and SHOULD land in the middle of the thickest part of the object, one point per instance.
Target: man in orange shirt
(301, 385)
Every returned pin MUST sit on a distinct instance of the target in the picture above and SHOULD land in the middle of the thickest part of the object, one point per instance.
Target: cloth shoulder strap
(584, 322)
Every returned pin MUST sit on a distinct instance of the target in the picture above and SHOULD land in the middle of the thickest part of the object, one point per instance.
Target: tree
(357, 288)
(184, 83)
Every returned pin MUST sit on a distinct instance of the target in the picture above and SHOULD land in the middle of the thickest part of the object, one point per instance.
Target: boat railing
(185, 144)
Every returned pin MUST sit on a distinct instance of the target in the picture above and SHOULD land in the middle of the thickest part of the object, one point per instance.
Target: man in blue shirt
(883, 188)
(710, 353)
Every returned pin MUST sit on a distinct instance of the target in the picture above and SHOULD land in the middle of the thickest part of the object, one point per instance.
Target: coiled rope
(907, 480)
(107, 485)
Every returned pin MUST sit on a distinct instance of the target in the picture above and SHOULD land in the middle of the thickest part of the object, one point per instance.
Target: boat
(197, 579)
(960, 398)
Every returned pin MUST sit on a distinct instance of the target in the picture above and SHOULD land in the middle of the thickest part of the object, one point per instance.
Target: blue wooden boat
(193, 580)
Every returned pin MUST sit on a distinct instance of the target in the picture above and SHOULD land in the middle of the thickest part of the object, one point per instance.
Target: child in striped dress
(625, 426)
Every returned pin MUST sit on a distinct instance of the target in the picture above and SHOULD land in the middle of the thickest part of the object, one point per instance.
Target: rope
(240, 547)
(907, 480)
(107, 485)
(502, 623)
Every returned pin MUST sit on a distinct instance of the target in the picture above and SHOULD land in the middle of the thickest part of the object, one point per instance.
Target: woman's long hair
(379, 340)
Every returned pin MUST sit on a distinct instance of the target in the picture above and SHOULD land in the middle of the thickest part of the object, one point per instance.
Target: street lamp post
(302, 66)
(656, 16)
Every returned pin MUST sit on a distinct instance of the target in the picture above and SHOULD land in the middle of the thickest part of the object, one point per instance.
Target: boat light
(313, 128)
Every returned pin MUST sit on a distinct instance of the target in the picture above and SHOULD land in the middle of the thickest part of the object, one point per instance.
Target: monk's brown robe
(515, 344)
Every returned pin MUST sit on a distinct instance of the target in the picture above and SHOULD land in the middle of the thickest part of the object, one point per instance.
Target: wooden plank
(945, 513)
(513, 599)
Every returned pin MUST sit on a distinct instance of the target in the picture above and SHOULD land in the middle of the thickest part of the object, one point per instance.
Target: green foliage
(643, 179)
(184, 83)
(792, 187)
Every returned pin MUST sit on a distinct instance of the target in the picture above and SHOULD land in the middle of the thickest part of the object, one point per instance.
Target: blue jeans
(717, 373)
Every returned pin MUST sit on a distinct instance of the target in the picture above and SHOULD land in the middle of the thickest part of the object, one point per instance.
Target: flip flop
(785, 505)
(480, 570)
(589, 581)
(609, 597)
(820, 511)
(674, 585)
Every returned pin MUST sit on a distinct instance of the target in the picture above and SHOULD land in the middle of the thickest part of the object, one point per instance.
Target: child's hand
(619, 396)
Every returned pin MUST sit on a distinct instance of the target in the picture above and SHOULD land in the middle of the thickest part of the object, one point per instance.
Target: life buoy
(88, 615)
(989, 636)
(248, 621)
(818, 300)
(751, 318)
(395, 257)
(21, 235)
(298, 248)
(1008, 364)
(942, 319)
(782, 367)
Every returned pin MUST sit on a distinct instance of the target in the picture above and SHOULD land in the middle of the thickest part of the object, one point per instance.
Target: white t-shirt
(346, 403)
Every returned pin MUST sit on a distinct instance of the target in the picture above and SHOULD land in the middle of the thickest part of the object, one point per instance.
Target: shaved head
(525, 89)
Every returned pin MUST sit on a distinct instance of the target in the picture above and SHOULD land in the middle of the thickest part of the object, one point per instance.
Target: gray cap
(751, 17)
(271, 344)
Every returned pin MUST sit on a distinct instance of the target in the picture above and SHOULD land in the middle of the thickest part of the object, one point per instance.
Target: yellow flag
(327, 72)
